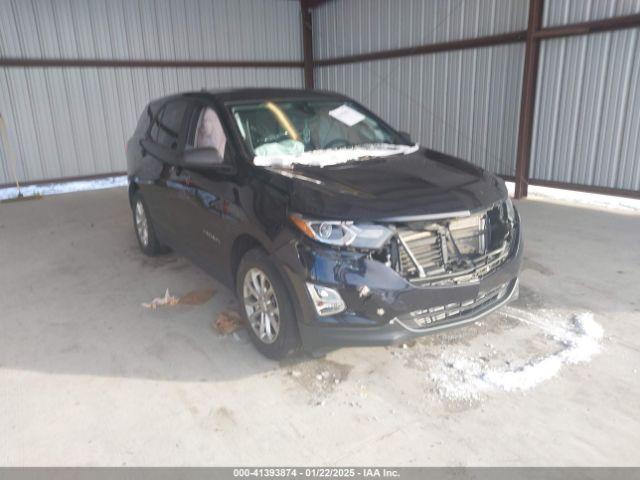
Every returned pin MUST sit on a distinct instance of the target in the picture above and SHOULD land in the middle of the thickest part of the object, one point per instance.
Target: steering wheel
(338, 143)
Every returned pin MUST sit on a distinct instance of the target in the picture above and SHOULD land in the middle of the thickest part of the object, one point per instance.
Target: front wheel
(267, 307)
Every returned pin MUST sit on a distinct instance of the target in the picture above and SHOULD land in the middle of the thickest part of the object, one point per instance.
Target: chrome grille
(446, 313)
(454, 250)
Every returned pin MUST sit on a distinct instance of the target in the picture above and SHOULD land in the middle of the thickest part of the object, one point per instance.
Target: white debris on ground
(460, 377)
(320, 377)
(607, 202)
(167, 300)
(326, 157)
(65, 187)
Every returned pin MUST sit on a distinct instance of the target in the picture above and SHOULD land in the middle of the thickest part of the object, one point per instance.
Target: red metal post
(307, 42)
(527, 111)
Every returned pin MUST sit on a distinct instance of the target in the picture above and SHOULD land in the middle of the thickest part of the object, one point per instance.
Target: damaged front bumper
(383, 307)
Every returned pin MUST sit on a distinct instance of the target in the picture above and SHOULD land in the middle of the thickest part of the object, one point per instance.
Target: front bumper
(393, 309)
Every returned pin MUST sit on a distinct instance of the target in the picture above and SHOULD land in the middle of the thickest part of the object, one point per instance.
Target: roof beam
(490, 40)
(110, 63)
(593, 26)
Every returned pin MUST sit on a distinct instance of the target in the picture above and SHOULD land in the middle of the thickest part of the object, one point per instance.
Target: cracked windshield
(314, 133)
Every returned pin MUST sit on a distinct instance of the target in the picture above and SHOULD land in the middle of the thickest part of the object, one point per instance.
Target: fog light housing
(326, 300)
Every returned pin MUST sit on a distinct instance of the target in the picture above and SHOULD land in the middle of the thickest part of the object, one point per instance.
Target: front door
(206, 199)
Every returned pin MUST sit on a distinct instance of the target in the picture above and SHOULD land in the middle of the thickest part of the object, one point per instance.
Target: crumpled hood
(420, 183)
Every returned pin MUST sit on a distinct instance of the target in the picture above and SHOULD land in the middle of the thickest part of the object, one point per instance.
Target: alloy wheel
(261, 305)
(142, 225)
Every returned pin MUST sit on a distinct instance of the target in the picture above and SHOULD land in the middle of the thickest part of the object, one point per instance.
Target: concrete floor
(89, 377)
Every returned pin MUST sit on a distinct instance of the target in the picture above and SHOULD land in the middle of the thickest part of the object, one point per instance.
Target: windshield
(313, 132)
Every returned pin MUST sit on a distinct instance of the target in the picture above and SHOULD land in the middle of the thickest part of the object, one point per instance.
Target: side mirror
(206, 159)
(406, 136)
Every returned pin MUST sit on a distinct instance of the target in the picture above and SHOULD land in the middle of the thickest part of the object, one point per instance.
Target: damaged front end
(450, 249)
(401, 277)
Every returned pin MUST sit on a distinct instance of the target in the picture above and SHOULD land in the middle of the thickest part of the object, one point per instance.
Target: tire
(256, 273)
(142, 226)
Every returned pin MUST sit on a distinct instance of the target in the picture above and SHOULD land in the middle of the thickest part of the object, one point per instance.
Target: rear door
(164, 145)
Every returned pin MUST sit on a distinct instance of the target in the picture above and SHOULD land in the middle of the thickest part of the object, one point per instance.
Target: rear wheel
(266, 306)
(145, 233)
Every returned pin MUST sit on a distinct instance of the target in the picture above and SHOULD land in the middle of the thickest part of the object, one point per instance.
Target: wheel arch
(133, 188)
(241, 245)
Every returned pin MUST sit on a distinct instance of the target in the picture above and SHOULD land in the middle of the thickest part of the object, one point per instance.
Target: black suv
(332, 228)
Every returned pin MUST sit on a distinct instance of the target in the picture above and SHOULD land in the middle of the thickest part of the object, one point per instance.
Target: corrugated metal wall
(346, 27)
(71, 122)
(564, 12)
(465, 103)
(587, 123)
(74, 121)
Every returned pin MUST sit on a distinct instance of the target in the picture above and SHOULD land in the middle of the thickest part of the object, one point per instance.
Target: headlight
(511, 211)
(343, 234)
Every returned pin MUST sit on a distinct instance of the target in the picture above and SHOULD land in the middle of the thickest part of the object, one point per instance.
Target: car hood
(421, 183)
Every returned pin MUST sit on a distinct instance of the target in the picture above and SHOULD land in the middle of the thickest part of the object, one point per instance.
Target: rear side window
(168, 124)
(144, 121)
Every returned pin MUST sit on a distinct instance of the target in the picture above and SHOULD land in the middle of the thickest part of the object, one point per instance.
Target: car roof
(241, 94)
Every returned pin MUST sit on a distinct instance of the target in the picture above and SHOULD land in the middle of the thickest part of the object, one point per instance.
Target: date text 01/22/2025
(316, 472)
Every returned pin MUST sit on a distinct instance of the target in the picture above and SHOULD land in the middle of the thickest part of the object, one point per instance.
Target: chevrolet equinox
(332, 228)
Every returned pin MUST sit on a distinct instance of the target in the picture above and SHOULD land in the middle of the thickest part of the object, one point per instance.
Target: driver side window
(208, 131)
